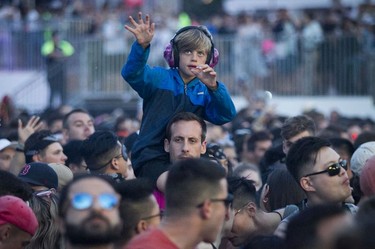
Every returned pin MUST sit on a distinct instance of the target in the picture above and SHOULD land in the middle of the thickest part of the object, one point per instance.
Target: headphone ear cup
(215, 58)
(168, 55)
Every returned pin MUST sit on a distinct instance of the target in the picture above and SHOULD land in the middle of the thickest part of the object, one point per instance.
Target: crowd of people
(191, 172)
(256, 182)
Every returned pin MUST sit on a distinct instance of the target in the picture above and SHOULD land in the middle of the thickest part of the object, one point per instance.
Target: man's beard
(86, 234)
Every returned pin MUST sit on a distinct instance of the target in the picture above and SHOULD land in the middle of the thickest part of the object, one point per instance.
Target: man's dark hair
(302, 231)
(66, 117)
(190, 182)
(185, 116)
(364, 137)
(258, 137)
(72, 151)
(242, 167)
(37, 142)
(53, 117)
(99, 148)
(136, 203)
(243, 191)
(343, 144)
(332, 131)
(303, 154)
(12, 185)
(297, 124)
(283, 189)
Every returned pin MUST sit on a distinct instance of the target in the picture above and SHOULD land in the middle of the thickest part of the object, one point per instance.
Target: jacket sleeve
(135, 68)
(220, 108)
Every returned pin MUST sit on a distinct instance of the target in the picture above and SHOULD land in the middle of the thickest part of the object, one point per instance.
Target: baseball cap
(360, 156)
(64, 174)
(367, 177)
(5, 143)
(39, 174)
(15, 211)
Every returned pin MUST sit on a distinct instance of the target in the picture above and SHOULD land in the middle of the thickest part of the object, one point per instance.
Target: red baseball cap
(15, 211)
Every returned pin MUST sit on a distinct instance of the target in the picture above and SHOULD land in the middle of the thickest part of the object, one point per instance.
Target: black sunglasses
(227, 201)
(332, 170)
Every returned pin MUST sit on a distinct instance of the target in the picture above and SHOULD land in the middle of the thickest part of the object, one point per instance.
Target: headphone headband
(171, 51)
(200, 28)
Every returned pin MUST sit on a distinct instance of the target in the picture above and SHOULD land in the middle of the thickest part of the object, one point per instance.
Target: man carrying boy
(190, 85)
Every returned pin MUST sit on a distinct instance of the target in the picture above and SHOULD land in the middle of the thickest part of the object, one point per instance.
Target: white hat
(360, 156)
(64, 174)
(5, 143)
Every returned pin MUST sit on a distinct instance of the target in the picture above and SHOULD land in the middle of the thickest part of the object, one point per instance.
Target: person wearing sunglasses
(320, 172)
(89, 212)
(104, 154)
(197, 203)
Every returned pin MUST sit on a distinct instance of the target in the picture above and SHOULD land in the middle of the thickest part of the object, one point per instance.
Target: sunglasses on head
(82, 201)
(332, 170)
(45, 193)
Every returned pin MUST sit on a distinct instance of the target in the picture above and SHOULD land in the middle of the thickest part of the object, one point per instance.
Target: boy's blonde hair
(193, 38)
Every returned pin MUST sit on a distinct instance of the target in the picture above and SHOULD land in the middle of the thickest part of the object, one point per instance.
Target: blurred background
(291, 54)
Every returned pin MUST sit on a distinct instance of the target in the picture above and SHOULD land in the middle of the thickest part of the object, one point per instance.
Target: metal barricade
(339, 66)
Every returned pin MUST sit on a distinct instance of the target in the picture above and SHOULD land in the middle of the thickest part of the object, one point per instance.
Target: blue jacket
(164, 94)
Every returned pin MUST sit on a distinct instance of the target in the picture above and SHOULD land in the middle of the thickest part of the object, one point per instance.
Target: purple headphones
(171, 51)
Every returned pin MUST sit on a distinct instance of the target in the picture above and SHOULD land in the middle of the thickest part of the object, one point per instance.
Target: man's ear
(142, 226)
(251, 209)
(203, 147)
(206, 209)
(306, 184)
(266, 192)
(284, 148)
(37, 158)
(65, 134)
(166, 145)
(114, 163)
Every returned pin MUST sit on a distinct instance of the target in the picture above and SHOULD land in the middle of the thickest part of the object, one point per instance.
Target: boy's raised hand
(143, 30)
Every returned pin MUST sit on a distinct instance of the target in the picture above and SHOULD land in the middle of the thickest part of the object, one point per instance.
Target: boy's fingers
(147, 20)
(129, 28)
(132, 21)
(140, 17)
